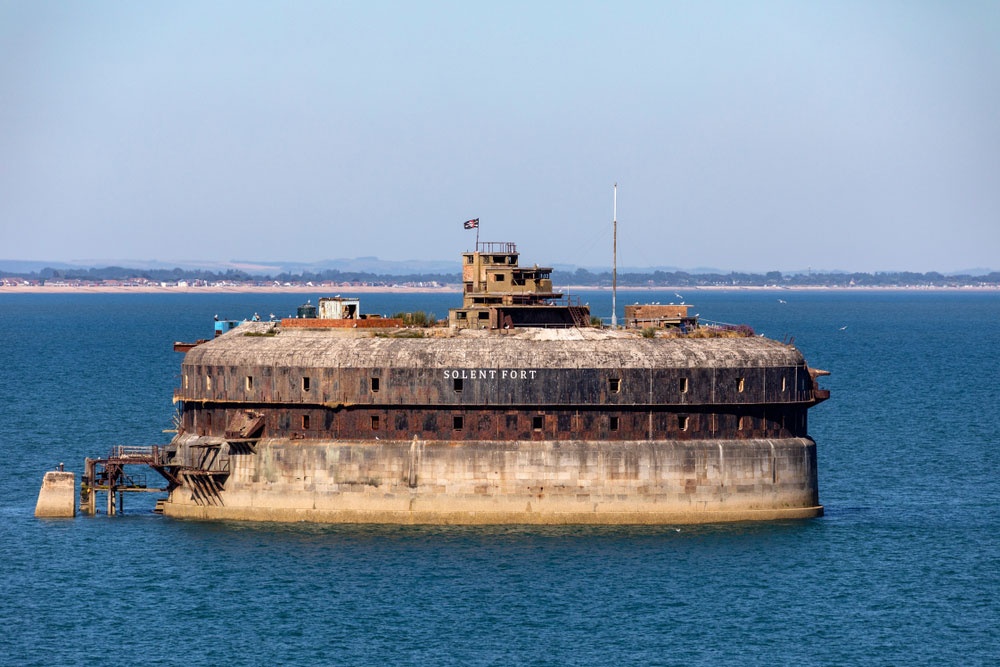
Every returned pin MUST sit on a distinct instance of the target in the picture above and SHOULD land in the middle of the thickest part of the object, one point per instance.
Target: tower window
(305, 421)
(614, 385)
(457, 423)
(374, 385)
(682, 422)
(613, 423)
(249, 382)
(537, 422)
(374, 422)
(305, 383)
(683, 385)
(457, 383)
(741, 385)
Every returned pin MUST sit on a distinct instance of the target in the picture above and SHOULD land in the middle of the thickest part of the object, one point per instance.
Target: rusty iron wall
(466, 424)
(506, 386)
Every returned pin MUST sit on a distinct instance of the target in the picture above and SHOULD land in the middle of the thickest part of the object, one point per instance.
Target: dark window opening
(457, 383)
(684, 385)
(374, 422)
(305, 421)
(615, 385)
(613, 423)
(305, 383)
(537, 422)
(458, 423)
(682, 422)
(375, 385)
(249, 382)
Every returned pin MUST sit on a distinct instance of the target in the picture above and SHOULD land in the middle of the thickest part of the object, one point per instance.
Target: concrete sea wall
(522, 482)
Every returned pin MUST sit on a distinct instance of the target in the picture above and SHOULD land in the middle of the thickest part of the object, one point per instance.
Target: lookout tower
(498, 293)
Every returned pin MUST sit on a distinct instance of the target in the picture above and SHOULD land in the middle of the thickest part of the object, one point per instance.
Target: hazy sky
(860, 136)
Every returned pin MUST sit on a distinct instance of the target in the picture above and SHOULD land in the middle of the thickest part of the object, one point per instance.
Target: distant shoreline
(450, 289)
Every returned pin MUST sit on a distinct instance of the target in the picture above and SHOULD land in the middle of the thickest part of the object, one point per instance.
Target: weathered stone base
(524, 482)
(417, 517)
(57, 497)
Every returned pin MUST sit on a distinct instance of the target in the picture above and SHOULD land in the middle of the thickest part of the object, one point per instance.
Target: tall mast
(614, 263)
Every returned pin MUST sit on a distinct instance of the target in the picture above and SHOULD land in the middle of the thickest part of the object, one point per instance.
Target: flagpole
(614, 262)
(477, 234)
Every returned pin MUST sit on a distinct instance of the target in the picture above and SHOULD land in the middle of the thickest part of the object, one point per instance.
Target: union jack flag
(472, 224)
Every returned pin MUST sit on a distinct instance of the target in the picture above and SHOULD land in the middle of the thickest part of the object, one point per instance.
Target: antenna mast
(614, 263)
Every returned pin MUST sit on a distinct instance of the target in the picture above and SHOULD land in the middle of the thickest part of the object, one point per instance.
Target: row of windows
(614, 384)
(538, 422)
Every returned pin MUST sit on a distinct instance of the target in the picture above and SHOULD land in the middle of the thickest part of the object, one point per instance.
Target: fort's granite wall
(640, 482)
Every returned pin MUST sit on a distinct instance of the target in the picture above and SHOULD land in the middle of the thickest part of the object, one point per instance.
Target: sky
(849, 135)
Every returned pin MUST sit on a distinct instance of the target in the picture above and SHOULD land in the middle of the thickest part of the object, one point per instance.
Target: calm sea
(904, 568)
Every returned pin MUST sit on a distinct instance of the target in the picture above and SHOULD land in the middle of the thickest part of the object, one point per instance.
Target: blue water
(904, 568)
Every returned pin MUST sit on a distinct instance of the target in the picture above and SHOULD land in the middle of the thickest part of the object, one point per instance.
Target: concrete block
(57, 497)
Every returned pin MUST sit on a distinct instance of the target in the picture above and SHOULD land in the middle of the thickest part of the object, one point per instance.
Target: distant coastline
(455, 289)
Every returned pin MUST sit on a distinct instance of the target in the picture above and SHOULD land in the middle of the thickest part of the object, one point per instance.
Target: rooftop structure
(498, 293)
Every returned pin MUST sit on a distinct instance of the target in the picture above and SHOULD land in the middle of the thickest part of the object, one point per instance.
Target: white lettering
(489, 374)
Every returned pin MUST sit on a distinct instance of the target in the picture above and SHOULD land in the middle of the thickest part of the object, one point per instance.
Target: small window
(613, 423)
(457, 423)
(374, 422)
(741, 424)
(457, 383)
(614, 385)
(683, 384)
(499, 277)
(305, 383)
(682, 422)
(784, 384)
(537, 422)
(374, 385)
(249, 382)
(305, 421)
(460, 315)
(208, 383)
(741, 385)
(185, 381)
(484, 314)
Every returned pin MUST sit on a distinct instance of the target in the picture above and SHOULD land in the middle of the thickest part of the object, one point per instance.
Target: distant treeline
(580, 277)
(736, 279)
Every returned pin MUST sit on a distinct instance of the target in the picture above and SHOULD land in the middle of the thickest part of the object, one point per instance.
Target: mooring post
(88, 495)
